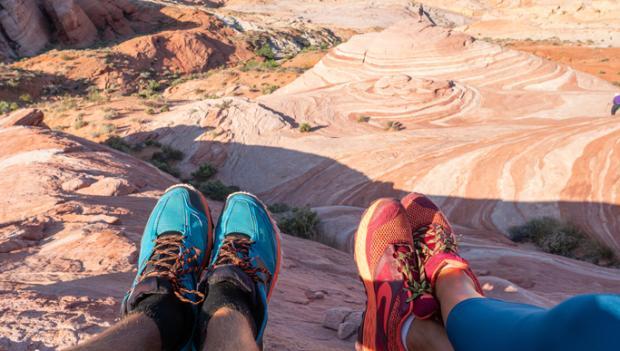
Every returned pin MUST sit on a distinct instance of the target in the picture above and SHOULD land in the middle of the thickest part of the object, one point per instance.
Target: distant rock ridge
(29, 26)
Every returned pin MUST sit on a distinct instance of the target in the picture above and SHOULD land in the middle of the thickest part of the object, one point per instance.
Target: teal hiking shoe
(175, 247)
(246, 253)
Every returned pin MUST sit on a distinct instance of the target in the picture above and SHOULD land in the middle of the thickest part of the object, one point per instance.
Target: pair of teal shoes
(246, 239)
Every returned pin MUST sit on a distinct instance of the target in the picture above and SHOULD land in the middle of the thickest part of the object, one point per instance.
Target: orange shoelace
(235, 250)
(170, 260)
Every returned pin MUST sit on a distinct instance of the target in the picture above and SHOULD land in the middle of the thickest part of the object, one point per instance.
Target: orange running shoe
(435, 248)
(384, 256)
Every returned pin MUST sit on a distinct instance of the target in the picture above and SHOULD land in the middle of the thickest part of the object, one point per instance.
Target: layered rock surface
(69, 232)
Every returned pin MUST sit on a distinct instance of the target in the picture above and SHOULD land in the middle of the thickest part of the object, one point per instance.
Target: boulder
(24, 117)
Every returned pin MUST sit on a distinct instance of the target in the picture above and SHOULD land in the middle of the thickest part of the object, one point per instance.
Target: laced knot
(171, 260)
(235, 250)
(406, 258)
(432, 239)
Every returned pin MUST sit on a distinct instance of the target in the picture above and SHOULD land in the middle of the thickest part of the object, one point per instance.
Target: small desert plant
(204, 172)
(224, 105)
(108, 129)
(270, 89)
(151, 90)
(305, 127)
(6, 107)
(118, 143)
(266, 51)
(25, 98)
(110, 113)
(562, 238)
(300, 222)
(165, 167)
(216, 190)
(150, 111)
(168, 154)
(79, 122)
(394, 125)
(363, 119)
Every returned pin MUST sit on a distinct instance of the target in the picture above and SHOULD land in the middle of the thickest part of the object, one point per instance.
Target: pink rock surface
(67, 260)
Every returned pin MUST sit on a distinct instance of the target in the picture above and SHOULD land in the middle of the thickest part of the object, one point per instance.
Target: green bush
(266, 51)
(270, 89)
(565, 239)
(305, 127)
(118, 143)
(6, 107)
(216, 190)
(204, 173)
(25, 98)
(168, 154)
(300, 222)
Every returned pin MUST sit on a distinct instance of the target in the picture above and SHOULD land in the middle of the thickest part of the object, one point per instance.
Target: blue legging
(582, 323)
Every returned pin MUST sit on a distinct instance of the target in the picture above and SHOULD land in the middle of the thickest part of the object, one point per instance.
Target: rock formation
(28, 26)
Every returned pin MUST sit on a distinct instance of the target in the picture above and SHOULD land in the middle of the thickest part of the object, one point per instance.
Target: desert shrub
(150, 90)
(6, 107)
(565, 239)
(94, 95)
(394, 125)
(216, 190)
(266, 51)
(300, 222)
(167, 154)
(204, 173)
(270, 89)
(25, 98)
(110, 113)
(279, 208)
(363, 119)
(118, 143)
(305, 127)
(79, 122)
(253, 65)
(108, 129)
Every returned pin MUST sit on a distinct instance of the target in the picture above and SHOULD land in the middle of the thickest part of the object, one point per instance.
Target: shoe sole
(361, 258)
(210, 233)
(278, 235)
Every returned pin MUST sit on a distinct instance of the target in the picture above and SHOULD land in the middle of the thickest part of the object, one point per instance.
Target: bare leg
(229, 330)
(135, 332)
(453, 286)
(427, 335)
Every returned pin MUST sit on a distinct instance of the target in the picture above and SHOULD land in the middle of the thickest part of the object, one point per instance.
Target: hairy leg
(136, 332)
(230, 330)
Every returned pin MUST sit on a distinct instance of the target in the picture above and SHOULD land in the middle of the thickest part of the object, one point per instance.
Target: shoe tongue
(147, 287)
(233, 274)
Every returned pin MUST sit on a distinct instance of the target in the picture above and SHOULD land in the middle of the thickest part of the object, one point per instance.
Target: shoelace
(406, 258)
(413, 260)
(168, 263)
(235, 250)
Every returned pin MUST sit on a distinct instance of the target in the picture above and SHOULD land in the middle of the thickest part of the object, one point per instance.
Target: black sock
(225, 294)
(174, 319)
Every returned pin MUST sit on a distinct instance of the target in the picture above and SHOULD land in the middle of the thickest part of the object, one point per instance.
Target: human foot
(435, 246)
(245, 264)
(175, 246)
(384, 258)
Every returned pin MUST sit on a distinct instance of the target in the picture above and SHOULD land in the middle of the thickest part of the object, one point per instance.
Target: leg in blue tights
(586, 322)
